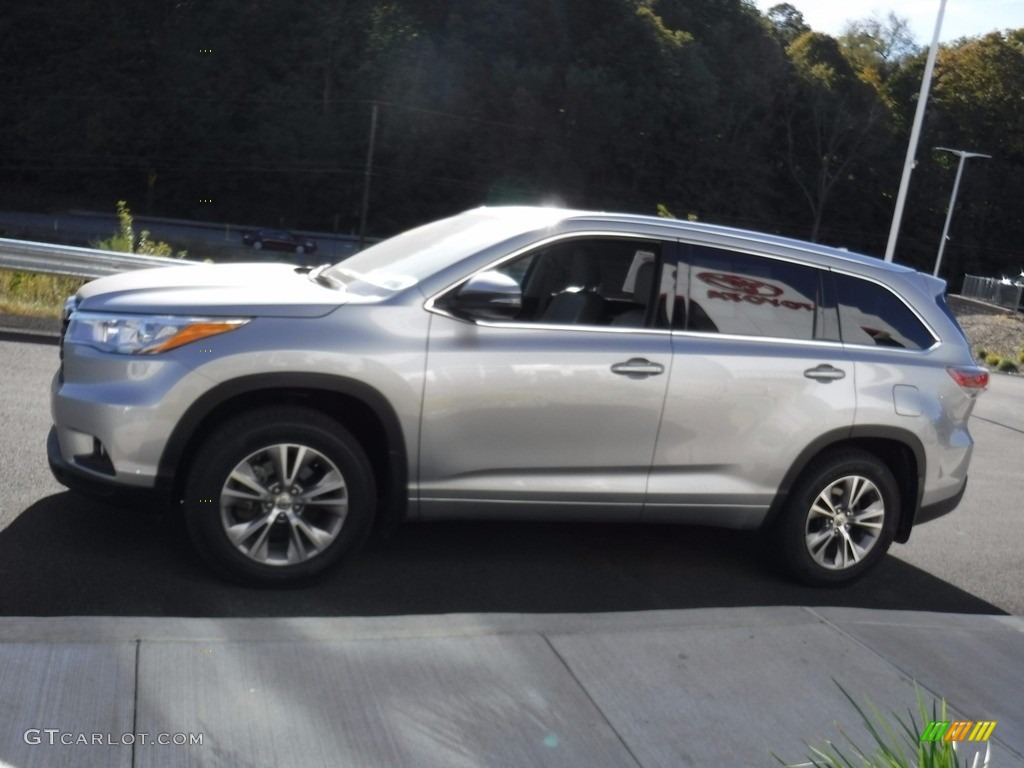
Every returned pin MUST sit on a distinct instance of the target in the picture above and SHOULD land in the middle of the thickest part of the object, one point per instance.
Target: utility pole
(964, 156)
(366, 177)
(915, 134)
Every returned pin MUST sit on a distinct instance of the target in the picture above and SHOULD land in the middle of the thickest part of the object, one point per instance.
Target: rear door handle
(825, 373)
(638, 368)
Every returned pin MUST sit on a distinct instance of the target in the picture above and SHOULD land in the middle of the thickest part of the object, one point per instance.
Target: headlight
(144, 334)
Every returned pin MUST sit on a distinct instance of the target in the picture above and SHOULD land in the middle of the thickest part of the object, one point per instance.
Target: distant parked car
(278, 240)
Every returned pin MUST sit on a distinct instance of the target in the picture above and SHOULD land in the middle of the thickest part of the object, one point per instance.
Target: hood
(211, 290)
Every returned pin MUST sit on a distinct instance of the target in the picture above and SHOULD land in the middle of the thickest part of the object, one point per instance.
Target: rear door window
(746, 295)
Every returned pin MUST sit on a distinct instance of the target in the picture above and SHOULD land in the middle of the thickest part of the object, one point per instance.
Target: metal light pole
(364, 209)
(964, 155)
(915, 134)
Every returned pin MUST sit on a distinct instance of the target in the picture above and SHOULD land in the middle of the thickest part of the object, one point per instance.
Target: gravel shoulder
(997, 331)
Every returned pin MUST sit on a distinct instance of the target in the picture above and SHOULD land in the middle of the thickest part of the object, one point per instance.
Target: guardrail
(993, 291)
(47, 259)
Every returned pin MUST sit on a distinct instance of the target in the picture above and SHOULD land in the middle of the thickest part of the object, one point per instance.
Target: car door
(759, 378)
(554, 412)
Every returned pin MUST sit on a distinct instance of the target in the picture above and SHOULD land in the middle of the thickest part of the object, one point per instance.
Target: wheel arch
(361, 409)
(900, 450)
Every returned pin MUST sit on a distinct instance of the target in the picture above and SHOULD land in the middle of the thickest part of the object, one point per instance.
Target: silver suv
(524, 363)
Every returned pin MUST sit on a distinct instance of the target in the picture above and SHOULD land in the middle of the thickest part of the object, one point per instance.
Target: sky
(963, 18)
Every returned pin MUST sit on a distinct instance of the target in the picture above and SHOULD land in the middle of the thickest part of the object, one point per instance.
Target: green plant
(1006, 366)
(124, 239)
(897, 744)
(992, 359)
(980, 354)
(1020, 357)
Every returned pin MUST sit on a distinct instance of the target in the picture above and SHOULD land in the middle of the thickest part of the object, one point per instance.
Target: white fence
(1001, 292)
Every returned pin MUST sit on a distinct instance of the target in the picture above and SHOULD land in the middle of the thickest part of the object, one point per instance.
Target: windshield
(404, 260)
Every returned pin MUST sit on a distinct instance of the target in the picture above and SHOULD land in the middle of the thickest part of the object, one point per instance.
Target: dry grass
(22, 293)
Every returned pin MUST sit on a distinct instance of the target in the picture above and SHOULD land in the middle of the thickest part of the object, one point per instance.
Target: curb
(28, 325)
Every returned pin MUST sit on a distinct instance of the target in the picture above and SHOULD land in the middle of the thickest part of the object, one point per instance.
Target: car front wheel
(839, 518)
(279, 495)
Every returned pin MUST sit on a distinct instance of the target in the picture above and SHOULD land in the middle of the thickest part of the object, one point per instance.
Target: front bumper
(97, 486)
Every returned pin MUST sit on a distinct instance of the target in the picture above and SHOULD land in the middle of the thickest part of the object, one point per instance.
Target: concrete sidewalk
(709, 687)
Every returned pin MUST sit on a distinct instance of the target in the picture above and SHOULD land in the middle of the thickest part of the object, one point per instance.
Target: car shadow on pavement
(66, 555)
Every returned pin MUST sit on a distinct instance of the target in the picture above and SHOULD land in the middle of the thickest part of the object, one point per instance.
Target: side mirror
(487, 296)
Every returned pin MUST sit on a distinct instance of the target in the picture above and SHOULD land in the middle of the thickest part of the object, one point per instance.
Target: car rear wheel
(278, 495)
(839, 519)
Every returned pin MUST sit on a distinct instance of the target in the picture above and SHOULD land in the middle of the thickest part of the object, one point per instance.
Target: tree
(877, 47)
(787, 22)
(977, 104)
(833, 121)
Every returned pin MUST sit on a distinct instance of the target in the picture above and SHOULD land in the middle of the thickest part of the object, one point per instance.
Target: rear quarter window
(872, 315)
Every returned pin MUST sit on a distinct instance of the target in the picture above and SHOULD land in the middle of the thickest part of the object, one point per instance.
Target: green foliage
(1020, 357)
(877, 47)
(897, 741)
(974, 105)
(992, 359)
(1006, 366)
(990, 69)
(706, 106)
(155, 247)
(834, 121)
(124, 239)
(980, 354)
(819, 60)
(787, 21)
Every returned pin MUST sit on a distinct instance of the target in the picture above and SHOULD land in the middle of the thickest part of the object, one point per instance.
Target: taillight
(972, 378)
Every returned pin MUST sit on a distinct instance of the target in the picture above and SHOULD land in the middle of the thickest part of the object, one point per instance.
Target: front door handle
(638, 368)
(825, 373)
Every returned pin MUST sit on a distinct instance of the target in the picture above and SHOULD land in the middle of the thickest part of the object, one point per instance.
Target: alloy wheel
(844, 522)
(283, 504)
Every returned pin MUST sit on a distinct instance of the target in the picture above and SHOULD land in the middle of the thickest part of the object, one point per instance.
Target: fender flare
(839, 437)
(199, 411)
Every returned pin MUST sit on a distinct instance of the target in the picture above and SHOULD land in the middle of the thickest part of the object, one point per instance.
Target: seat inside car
(634, 318)
(578, 302)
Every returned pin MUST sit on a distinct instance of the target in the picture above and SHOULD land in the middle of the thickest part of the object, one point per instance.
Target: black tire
(825, 539)
(280, 533)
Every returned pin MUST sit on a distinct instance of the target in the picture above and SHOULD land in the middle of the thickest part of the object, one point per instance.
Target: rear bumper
(940, 508)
